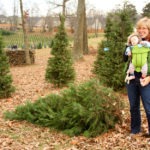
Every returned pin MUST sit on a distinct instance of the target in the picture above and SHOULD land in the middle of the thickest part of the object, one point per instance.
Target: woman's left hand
(145, 81)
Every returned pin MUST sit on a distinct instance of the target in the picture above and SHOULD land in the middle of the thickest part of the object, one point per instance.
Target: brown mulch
(30, 85)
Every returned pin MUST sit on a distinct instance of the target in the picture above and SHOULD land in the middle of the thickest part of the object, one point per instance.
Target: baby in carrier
(137, 50)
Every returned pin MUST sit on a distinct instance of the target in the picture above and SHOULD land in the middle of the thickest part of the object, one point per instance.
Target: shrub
(109, 65)
(89, 109)
(60, 69)
(5, 32)
(39, 46)
(6, 87)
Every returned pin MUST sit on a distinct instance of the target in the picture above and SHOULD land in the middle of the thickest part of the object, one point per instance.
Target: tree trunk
(80, 37)
(26, 44)
(15, 18)
(85, 38)
(64, 7)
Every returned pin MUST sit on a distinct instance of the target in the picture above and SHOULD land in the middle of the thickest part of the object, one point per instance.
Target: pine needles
(89, 109)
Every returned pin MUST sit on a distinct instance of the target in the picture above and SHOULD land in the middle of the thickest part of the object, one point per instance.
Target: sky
(101, 5)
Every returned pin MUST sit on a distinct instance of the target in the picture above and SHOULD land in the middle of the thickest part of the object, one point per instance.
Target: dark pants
(135, 92)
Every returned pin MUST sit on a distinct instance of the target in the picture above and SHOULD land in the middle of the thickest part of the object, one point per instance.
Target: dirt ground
(30, 85)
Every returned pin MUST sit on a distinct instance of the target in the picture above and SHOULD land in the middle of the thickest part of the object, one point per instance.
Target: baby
(138, 51)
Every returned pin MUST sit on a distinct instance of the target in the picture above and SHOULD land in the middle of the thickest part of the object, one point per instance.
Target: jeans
(135, 93)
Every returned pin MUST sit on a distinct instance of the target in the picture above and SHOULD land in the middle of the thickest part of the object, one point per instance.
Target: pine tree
(89, 109)
(6, 87)
(109, 65)
(59, 69)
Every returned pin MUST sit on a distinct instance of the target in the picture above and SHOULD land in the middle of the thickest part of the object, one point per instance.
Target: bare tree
(15, 18)
(80, 37)
(44, 24)
(49, 20)
(31, 22)
(96, 20)
(34, 12)
(24, 15)
(63, 5)
(71, 22)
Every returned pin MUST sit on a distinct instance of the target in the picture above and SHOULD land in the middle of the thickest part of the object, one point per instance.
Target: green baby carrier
(140, 56)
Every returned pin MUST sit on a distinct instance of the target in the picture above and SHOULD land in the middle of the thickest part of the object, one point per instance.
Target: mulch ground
(30, 85)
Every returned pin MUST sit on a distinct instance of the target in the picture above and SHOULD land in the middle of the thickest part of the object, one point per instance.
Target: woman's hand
(145, 81)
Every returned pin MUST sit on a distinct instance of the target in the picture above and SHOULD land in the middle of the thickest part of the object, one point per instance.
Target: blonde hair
(143, 22)
(132, 35)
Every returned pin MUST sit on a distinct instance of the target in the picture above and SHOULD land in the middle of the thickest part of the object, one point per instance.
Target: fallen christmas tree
(89, 109)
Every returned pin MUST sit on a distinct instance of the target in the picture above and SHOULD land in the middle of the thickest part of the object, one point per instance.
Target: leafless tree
(24, 15)
(15, 17)
(96, 20)
(49, 20)
(71, 22)
(63, 5)
(33, 14)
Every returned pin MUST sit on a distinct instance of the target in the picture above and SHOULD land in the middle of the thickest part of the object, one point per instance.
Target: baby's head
(134, 39)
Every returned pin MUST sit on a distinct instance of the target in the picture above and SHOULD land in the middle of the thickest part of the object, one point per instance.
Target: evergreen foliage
(6, 87)
(59, 69)
(146, 10)
(5, 32)
(89, 109)
(109, 65)
(39, 46)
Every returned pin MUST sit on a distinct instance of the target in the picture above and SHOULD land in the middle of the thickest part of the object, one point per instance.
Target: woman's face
(143, 31)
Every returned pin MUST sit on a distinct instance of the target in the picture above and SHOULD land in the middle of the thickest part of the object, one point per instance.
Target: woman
(135, 90)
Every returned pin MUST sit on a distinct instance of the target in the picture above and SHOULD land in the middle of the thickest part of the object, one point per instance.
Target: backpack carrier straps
(125, 57)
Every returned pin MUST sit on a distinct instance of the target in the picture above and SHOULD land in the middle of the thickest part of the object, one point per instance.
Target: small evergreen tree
(89, 109)
(6, 87)
(109, 65)
(59, 69)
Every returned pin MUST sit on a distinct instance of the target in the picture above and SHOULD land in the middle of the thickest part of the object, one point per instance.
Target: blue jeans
(135, 92)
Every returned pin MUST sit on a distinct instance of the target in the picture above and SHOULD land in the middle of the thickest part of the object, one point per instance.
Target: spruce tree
(60, 69)
(109, 65)
(6, 87)
(87, 109)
